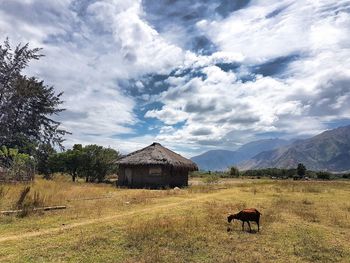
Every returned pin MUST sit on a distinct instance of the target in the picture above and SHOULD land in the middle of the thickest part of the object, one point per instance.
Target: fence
(22, 175)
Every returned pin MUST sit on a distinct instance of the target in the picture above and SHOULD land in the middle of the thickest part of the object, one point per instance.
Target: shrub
(19, 166)
(323, 175)
(234, 172)
(301, 170)
(211, 179)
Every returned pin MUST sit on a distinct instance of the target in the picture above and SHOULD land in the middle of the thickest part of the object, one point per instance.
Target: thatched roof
(156, 154)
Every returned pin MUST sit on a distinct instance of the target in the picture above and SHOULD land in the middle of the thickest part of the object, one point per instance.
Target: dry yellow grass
(301, 222)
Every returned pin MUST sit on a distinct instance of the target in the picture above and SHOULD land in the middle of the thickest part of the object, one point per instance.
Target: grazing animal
(246, 215)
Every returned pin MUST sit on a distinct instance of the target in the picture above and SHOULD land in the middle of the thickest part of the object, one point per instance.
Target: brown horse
(246, 215)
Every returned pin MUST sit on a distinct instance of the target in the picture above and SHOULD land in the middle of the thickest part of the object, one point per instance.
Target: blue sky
(192, 75)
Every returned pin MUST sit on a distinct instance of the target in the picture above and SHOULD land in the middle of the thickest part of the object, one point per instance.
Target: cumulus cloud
(297, 57)
(85, 61)
(191, 74)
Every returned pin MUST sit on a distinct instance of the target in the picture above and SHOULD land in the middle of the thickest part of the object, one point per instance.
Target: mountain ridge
(329, 150)
(219, 160)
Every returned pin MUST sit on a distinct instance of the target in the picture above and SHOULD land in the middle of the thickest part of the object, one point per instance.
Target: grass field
(305, 221)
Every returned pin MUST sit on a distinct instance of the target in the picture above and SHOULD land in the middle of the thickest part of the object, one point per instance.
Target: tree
(43, 153)
(98, 162)
(26, 104)
(20, 166)
(323, 175)
(234, 172)
(92, 162)
(69, 161)
(301, 170)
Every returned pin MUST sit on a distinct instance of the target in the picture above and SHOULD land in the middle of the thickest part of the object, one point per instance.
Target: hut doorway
(128, 176)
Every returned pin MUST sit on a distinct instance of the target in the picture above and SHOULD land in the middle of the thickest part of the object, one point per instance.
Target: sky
(192, 75)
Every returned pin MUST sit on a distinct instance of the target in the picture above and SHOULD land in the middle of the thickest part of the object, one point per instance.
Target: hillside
(329, 150)
(218, 160)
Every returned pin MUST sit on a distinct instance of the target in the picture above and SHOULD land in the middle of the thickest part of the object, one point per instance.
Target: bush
(270, 172)
(301, 170)
(323, 175)
(211, 179)
(234, 172)
(20, 166)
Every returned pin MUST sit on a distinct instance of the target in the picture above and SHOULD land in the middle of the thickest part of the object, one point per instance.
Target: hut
(154, 166)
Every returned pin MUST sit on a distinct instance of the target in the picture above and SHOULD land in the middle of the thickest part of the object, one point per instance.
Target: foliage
(43, 153)
(203, 174)
(346, 176)
(234, 172)
(278, 173)
(92, 162)
(323, 175)
(270, 172)
(97, 162)
(20, 166)
(301, 170)
(68, 161)
(26, 104)
(211, 179)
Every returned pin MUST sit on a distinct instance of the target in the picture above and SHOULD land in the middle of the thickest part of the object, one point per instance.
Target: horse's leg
(250, 229)
(242, 225)
(257, 222)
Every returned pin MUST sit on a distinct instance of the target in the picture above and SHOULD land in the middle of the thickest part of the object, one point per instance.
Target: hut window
(155, 171)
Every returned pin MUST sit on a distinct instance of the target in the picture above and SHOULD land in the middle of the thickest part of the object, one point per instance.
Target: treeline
(277, 173)
(91, 162)
(30, 136)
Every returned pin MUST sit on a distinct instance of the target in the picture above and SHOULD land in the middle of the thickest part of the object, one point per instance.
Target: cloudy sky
(192, 75)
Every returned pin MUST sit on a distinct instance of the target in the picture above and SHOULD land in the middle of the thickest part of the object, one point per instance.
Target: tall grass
(300, 222)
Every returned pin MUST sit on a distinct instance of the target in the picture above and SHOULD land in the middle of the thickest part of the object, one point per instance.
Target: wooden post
(47, 208)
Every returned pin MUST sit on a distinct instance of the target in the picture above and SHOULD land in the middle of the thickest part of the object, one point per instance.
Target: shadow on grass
(253, 231)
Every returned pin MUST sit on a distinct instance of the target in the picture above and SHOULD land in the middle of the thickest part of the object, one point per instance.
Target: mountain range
(219, 160)
(329, 150)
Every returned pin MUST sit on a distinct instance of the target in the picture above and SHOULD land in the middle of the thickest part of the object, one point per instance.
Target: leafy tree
(6, 156)
(43, 152)
(234, 172)
(20, 166)
(69, 161)
(301, 170)
(92, 162)
(98, 162)
(26, 104)
(323, 175)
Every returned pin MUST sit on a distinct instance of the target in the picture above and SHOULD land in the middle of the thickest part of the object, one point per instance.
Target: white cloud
(299, 26)
(90, 46)
(140, 43)
(85, 64)
(313, 90)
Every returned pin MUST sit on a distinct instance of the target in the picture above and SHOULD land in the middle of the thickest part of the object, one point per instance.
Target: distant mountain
(219, 160)
(329, 150)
